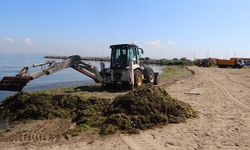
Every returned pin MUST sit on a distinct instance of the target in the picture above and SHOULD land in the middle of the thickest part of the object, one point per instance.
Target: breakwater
(107, 59)
(183, 61)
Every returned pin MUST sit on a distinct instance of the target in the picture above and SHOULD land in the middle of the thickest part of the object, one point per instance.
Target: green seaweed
(141, 109)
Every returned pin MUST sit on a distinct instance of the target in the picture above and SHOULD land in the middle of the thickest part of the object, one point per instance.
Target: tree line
(175, 61)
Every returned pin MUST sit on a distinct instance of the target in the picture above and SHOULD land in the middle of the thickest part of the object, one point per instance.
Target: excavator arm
(18, 82)
(88, 70)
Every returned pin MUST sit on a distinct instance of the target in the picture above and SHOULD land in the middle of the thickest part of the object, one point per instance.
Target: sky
(163, 28)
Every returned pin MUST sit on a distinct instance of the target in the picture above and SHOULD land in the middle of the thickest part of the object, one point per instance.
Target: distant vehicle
(247, 63)
(203, 62)
(233, 63)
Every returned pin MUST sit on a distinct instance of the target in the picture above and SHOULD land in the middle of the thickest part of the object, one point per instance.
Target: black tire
(153, 77)
(156, 78)
(137, 78)
(149, 75)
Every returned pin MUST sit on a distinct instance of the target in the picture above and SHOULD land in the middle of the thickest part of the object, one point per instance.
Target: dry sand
(223, 101)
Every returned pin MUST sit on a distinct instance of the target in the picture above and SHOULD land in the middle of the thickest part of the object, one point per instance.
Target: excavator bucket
(13, 83)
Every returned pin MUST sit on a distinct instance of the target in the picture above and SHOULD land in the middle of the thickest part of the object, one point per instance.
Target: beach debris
(192, 93)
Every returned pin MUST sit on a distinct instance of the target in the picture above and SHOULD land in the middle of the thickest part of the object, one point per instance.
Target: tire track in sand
(47, 130)
(229, 96)
(230, 78)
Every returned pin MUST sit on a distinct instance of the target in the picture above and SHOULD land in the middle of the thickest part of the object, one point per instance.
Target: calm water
(10, 64)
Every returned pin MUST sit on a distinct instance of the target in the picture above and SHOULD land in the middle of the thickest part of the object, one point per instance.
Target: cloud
(28, 41)
(158, 43)
(171, 42)
(9, 40)
(154, 43)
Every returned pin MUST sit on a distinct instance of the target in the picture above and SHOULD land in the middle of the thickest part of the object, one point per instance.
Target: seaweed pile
(143, 108)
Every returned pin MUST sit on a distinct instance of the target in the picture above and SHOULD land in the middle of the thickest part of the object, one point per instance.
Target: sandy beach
(222, 97)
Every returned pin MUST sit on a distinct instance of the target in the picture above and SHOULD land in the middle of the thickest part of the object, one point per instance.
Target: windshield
(120, 57)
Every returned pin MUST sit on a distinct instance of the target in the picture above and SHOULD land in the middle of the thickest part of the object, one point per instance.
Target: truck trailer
(233, 63)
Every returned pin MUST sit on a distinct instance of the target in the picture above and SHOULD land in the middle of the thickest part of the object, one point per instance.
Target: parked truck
(203, 62)
(233, 63)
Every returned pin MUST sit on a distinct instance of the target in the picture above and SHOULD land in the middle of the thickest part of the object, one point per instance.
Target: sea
(11, 64)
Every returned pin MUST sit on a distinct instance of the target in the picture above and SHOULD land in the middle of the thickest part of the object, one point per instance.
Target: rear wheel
(149, 75)
(156, 78)
(239, 66)
(152, 77)
(138, 78)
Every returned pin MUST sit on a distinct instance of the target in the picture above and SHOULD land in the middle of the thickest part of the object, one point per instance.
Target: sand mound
(140, 109)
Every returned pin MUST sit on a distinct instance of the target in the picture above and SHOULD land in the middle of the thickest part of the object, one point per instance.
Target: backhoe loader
(126, 67)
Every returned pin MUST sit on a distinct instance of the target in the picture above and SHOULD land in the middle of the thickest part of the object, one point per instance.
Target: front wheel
(138, 78)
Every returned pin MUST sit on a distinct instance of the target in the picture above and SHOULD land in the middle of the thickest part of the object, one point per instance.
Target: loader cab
(122, 54)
